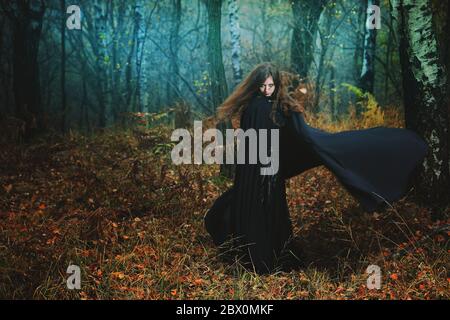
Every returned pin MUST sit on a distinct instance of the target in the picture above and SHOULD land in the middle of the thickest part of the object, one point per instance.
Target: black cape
(375, 166)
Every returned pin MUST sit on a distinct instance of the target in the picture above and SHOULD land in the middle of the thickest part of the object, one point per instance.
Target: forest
(90, 92)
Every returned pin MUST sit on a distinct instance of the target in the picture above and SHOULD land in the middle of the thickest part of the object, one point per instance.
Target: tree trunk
(334, 111)
(426, 104)
(129, 70)
(388, 64)
(306, 15)
(359, 47)
(26, 22)
(215, 60)
(172, 84)
(235, 41)
(140, 34)
(216, 69)
(323, 35)
(117, 25)
(100, 50)
(63, 68)
(366, 81)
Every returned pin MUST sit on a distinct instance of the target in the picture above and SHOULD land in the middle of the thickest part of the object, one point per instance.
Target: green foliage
(368, 105)
(357, 91)
(163, 148)
(202, 85)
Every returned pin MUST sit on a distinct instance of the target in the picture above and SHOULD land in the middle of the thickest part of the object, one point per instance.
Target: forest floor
(114, 205)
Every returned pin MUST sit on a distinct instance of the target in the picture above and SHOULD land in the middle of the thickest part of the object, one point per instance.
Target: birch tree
(235, 41)
(425, 99)
(370, 40)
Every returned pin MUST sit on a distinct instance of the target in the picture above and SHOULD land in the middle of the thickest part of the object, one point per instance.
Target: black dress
(375, 165)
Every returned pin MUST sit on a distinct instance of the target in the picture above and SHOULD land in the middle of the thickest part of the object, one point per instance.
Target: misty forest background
(86, 117)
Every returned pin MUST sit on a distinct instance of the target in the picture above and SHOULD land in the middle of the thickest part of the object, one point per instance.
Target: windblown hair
(235, 104)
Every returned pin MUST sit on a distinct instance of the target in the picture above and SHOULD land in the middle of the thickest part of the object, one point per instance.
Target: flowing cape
(375, 166)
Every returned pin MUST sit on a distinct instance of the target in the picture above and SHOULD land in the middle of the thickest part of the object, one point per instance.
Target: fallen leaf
(339, 290)
(198, 282)
(8, 188)
(119, 275)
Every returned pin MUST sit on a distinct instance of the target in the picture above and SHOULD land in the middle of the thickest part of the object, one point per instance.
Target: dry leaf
(8, 188)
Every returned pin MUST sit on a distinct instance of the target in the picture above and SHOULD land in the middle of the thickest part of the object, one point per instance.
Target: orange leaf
(119, 275)
(339, 290)
(198, 282)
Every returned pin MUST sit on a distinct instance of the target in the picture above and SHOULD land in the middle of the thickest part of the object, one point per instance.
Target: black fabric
(375, 165)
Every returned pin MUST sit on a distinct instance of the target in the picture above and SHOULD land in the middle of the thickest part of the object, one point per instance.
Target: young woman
(252, 218)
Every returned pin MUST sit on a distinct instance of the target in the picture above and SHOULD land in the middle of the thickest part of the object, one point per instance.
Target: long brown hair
(235, 104)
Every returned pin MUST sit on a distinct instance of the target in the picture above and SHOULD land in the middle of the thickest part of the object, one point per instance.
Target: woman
(375, 165)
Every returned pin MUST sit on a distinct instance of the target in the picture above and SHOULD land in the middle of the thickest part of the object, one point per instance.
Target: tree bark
(426, 100)
(63, 68)
(26, 20)
(219, 88)
(172, 84)
(306, 15)
(99, 44)
(215, 60)
(367, 77)
(235, 41)
(140, 34)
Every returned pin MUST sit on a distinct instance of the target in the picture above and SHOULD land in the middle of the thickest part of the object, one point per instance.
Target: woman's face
(268, 87)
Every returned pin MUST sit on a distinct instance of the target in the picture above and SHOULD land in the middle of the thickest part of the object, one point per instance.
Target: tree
(63, 68)
(235, 41)
(141, 35)
(306, 14)
(174, 47)
(216, 69)
(26, 20)
(366, 81)
(425, 99)
(98, 37)
(117, 13)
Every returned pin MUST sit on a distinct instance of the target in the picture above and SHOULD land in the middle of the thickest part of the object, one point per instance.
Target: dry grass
(114, 205)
